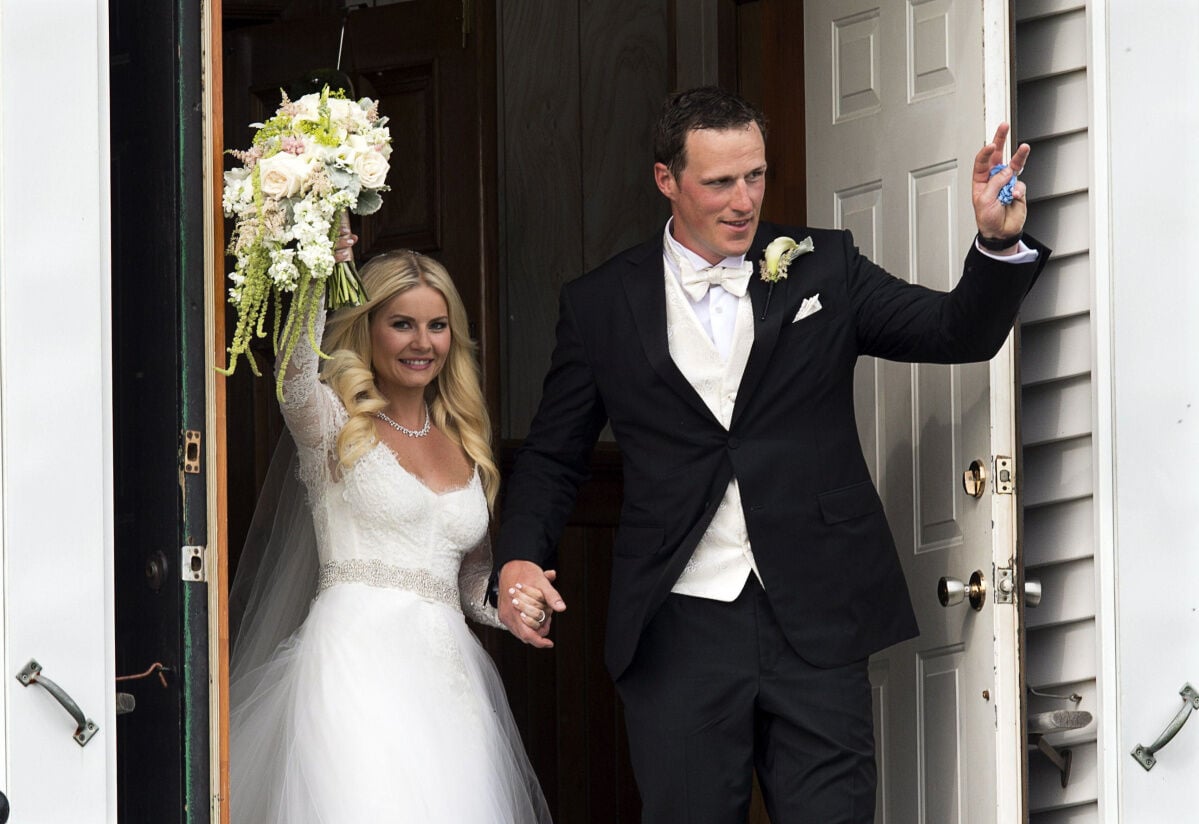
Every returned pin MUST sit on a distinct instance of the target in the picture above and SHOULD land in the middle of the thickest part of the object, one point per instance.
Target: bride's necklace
(411, 433)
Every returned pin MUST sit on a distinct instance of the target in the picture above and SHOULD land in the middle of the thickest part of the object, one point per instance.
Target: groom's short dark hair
(706, 107)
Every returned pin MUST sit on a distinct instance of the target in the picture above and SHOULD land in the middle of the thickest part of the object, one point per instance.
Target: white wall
(1148, 391)
(55, 408)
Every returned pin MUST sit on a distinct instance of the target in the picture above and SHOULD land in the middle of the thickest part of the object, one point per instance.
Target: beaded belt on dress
(376, 573)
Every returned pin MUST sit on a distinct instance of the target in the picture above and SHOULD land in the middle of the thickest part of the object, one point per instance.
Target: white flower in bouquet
(239, 192)
(306, 109)
(283, 175)
(283, 269)
(371, 167)
(317, 157)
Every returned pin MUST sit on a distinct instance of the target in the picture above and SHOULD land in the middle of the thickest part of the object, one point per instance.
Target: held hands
(994, 218)
(527, 601)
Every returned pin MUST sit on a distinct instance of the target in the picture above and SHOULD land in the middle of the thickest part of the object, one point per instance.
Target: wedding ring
(541, 620)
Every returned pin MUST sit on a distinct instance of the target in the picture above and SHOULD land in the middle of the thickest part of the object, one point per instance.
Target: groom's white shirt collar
(717, 310)
(697, 262)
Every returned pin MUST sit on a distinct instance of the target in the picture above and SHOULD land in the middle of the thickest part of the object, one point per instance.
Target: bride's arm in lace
(473, 578)
(308, 409)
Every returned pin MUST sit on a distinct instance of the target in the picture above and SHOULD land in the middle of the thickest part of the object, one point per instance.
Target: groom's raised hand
(996, 219)
(526, 575)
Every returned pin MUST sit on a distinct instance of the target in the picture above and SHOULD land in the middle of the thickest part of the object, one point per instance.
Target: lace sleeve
(308, 406)
(473, 576)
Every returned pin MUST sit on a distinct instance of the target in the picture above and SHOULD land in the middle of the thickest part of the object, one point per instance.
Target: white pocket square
(810, 306)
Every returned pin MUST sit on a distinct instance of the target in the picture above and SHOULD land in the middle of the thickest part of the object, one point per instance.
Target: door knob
(3, 808)
(951, 591)
(974, 479)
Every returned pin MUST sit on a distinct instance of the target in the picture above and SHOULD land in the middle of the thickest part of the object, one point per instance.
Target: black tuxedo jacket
(815, 521)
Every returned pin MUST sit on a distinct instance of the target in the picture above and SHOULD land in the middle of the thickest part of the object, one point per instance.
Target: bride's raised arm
(310, 410)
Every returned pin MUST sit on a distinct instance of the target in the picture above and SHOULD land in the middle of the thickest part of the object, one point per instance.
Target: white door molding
(1009, 680)
(1102, 410)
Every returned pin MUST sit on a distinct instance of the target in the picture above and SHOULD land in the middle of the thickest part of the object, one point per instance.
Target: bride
(379, 705)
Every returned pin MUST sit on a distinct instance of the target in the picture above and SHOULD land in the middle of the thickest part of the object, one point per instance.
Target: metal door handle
(85, 728)
(1145, 756)
(951, 591)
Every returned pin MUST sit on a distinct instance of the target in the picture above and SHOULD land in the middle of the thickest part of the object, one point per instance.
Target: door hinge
(191, 451)
(1005, 475)
(194, 564)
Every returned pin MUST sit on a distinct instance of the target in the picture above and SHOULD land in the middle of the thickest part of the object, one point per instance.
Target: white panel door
(897, 95)
(55, 419)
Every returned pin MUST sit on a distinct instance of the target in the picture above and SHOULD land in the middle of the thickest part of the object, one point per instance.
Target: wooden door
(581, 84)
(900, 96)
(158, 277)
(433, 76)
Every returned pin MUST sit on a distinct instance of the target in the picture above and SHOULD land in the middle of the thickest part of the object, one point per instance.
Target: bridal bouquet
(317, 157)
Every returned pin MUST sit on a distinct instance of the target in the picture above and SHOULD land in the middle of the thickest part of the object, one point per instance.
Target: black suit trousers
(716, 691)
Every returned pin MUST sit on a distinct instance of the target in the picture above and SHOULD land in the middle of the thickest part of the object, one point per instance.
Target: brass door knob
(951, 591)
(974, 479)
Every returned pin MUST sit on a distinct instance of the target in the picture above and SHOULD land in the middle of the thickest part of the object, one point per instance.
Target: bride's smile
(410, 340)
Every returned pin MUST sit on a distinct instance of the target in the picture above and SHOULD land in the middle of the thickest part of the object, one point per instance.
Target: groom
(753, 569)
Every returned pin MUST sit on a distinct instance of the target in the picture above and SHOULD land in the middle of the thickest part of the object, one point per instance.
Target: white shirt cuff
(1024, 254)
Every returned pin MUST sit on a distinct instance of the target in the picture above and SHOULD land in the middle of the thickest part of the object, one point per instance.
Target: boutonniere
(778, 257)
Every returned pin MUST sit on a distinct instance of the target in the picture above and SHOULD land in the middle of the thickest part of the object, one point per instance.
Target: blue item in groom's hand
(1005, 194)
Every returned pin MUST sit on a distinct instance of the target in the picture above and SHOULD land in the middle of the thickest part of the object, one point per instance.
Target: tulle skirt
(382, 707)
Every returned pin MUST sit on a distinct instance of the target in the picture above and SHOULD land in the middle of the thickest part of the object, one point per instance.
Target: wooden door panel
(564, 700)
(410, 217)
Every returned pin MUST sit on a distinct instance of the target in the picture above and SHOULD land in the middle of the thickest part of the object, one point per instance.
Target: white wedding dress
(382, 706)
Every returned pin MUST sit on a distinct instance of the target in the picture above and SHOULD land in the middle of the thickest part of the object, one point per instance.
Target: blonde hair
(455, 396)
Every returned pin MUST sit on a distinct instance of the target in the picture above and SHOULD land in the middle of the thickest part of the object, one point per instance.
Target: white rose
(306, 107)
(282, 175)
(341, 111)
(351, 148)
(371, 168)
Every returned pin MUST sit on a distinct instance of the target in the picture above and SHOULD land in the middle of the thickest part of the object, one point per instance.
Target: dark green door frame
(163, 745)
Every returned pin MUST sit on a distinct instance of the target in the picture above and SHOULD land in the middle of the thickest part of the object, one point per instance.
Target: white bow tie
(734, 280)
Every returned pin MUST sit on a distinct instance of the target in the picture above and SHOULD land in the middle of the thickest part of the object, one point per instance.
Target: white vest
(722, 560)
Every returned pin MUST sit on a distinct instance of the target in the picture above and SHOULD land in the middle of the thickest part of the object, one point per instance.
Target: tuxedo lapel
(769, 309)
(646, 293)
